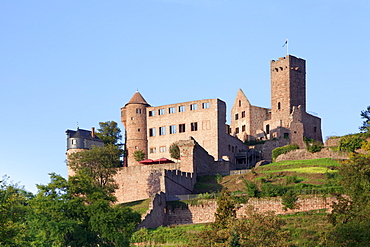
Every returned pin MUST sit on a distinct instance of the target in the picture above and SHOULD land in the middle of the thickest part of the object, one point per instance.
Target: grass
(178, 235)
(140, 206)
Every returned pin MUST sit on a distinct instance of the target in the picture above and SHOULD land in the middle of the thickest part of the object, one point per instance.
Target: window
(172, 129)
(171, 110)
(152, 150)
(267, 129)
(243, 128)
(314, 129)
(236, 116)
(279, 106)
(162, 149)
(194, 126)
(240, 103)
(136, 147)
(162, 131)
(237, 130)
(205, 105)
(243, 114)
(152, 132)
(193, 107)
(138, 111)
(181, 128)
(161, 112)
(74, 141)
(286, 135)
(151, 113)
(181, 108)
(138, 130)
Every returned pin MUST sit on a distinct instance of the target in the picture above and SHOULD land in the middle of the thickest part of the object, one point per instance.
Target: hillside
(305, 176)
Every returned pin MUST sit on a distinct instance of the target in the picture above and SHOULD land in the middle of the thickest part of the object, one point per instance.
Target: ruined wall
(268, 146)
(178, 183)
(141, 182)
(303, 154)
(204, 212)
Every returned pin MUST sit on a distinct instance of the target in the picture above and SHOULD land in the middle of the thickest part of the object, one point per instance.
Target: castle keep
(207, 144)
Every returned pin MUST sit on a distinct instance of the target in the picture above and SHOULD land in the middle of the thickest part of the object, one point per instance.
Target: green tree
(366, 123)
(225, 209)
(175, 151)
(94, 170)
(13, 209)
(60, 218)
(350, 214)
(139, 155)
(109, 132)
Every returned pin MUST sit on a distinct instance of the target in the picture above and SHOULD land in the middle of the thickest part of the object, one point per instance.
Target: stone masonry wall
(303, 154)
(204, 213)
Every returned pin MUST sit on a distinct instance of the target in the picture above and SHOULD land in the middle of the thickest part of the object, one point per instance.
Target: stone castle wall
(303, 154)
(205, 211)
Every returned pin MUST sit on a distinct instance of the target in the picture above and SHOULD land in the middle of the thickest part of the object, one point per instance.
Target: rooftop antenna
(78, 126)
(286, 44)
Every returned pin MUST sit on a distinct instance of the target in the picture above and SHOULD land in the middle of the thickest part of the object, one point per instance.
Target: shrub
(283, 150)
(251, 188)
(291, 179)
(350, 143)
(218, 178)
(175, 151)
(312, 145)
(289, 200)
(272, 190)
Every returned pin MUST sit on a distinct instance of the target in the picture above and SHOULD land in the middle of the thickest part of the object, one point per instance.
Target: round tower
(133, 117)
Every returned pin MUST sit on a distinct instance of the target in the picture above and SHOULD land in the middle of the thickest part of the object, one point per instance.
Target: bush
(283, 150)
(272, 190)
(175, 151)
(350, 143)
(313, 146)
(289, 200)
(251, 188)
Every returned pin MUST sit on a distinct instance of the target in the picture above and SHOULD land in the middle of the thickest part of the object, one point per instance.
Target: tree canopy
(109, 132)
(366, 123)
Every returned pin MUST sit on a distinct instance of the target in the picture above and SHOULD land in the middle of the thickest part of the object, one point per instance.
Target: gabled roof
(137, 98)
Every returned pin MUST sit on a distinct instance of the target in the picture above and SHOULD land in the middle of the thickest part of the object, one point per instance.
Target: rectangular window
(171, 110)
(237, 130)
(161, 112)
(152, 132)
(243, 114)
(74, 142)
(181, 108)
(162, 149)
(236, 116)
(172, 129)
(162, 131)
(205, 105)
(243, 128)
(151, 113)
(152, 150)
(194, 126)
(181, 128)
(138, 111)
(193, 107)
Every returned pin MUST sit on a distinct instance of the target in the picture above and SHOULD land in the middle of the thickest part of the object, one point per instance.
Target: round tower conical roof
(137, 98)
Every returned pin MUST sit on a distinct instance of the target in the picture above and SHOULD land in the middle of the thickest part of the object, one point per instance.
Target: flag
(286, 42)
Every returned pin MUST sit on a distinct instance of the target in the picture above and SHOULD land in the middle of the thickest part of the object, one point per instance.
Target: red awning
(163, 161)
(146, 162)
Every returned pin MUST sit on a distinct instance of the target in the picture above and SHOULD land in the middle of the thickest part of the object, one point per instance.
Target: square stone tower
(288, 86)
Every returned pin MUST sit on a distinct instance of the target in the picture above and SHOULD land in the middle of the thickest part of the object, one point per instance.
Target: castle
(207, 144)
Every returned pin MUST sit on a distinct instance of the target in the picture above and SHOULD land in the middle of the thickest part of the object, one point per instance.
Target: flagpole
(287, 44)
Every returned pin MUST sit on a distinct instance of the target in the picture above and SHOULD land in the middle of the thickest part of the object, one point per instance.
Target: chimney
(92, 132)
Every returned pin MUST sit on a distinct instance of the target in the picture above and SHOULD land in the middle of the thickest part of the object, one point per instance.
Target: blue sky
(63, 62)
